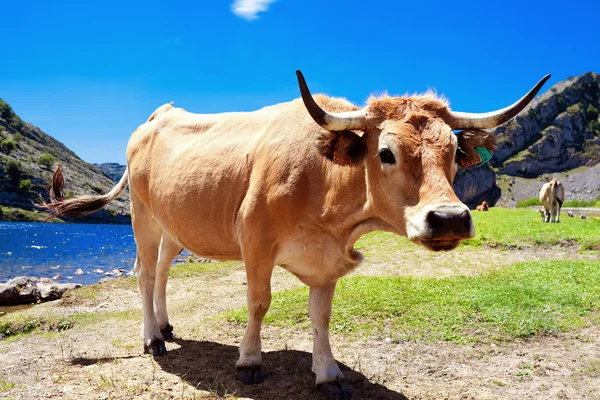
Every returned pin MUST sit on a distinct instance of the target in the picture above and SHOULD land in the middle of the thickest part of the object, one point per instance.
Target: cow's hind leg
(166, 253)
(329, 377)
(258, 274)
(147, 234)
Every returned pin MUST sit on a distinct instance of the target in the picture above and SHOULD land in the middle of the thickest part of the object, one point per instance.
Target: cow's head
(411, 154)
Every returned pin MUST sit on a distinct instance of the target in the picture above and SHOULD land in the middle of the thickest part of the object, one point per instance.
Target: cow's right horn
(332, 121)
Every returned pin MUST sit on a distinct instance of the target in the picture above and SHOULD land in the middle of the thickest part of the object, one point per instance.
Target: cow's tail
(83, 205)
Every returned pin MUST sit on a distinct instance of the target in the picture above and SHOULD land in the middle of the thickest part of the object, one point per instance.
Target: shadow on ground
(210, 366)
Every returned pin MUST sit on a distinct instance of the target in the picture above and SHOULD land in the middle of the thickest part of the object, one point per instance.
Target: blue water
(48, 250)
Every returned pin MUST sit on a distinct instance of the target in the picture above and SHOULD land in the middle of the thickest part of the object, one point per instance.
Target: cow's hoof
(251, 375)
(156, 348)
(336, 390)
(167, 333)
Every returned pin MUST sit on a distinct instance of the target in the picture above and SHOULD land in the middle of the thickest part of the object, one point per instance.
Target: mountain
(28, 157)
(113, 170)
(558, 134)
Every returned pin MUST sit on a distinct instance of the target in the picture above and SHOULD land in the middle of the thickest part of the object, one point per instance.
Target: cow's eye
(386, 156)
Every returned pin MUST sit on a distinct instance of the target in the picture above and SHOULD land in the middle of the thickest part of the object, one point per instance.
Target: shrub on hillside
(7, 145)
(12, 168)
(592, 113)
(25, 186)
(46, 161)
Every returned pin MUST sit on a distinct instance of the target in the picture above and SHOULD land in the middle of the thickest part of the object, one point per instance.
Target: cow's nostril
(435, 220)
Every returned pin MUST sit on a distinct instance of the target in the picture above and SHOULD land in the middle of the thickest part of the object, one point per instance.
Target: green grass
(5, 385)
(187, 270)
(17, 325)
(582, 203)
(516, 302)
(19, 214)
(532, 201)
(511, 228)
(498, 227)
(21, 324)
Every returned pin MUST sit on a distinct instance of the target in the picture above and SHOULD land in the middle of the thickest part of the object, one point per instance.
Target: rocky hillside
(558, 132)
(113, 170)
(28, 157)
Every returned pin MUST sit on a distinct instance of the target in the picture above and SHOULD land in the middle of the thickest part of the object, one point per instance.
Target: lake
(47, 250)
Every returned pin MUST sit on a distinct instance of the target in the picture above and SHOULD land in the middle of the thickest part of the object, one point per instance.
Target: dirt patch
(103, 358)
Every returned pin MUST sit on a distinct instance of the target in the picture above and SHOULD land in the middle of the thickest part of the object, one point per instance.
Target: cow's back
(192, 172)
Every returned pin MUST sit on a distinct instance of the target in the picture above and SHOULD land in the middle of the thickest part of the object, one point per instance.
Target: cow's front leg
(329, 377)
(249, 365)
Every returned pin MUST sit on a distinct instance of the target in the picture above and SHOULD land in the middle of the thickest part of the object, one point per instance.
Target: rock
(20, 290)
(57, 277)
(476, 184)
(119, 273)
(23, 290)
(79, 271)
(53, 291)
(45, 280)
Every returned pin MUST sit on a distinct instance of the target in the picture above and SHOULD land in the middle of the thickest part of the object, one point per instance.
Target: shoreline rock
(25, 290)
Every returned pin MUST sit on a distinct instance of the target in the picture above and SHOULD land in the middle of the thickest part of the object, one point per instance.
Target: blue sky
(88, 73)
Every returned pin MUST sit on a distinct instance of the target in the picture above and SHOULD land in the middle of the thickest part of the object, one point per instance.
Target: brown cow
(552, 195)
(283, 186)
(482, 207)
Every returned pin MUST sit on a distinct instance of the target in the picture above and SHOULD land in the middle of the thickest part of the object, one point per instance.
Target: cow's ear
(467, 154)
(343, 147)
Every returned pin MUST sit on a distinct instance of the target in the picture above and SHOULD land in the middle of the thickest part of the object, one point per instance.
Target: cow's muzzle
(441, 227)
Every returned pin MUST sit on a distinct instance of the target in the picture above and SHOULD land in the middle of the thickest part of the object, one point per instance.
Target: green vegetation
(22, 324)
(46, 161)
(574, 109)
(5, 385)
(532, 201)
(7, 145)
(7, 114)
(519, 301)
(16, 325)
(582, 203)
(508, 228)
(26, 187)
(592, 112)
(187, 270)
(12, 168)
(19, 214)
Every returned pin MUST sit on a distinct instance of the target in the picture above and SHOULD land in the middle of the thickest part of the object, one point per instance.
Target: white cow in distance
(552, 196)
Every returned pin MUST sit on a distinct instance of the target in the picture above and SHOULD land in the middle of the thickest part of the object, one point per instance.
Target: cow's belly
(317, 258)
(204, 239)
(200, 215)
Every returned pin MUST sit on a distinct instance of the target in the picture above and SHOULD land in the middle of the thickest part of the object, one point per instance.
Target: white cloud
(248, 9)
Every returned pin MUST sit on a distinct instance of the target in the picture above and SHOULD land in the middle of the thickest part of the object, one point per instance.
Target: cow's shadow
(210, 366)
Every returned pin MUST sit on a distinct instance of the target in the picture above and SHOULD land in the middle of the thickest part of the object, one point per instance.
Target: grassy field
(518, 287)
(504, 228)
(520, 301)
(534, 201)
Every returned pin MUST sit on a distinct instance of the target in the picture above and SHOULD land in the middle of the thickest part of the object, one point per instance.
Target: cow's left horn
(462, 120)
(332, 121)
